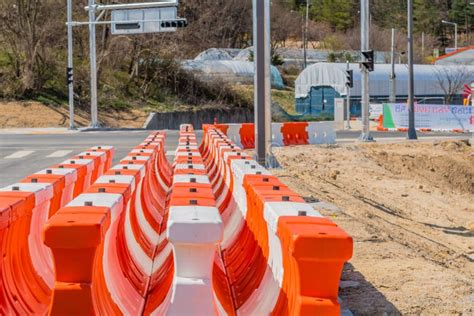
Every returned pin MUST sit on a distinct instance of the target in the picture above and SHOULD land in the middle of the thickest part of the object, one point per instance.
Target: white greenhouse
(230, 71)
(318, 85)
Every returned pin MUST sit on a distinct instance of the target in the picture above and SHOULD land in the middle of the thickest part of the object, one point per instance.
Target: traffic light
(350, 78)
(368, 60)
(69, 77)
(175, 23)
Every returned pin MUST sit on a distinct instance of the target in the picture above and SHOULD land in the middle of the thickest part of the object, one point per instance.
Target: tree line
(137, 69)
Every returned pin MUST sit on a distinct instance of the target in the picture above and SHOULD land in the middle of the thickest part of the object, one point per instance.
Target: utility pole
(364, 23)
(262, 82)
(348, 102)
(93, 64)
(305, 37)
(70, 65)
(422, 47)
(393, 82)
(411, 87)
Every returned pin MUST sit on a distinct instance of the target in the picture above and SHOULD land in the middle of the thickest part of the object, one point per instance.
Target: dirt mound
(446, 165)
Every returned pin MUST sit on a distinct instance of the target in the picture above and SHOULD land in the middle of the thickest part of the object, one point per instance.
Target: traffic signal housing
(175, 23)
(368, 60)
(69, 75)
(350, 78)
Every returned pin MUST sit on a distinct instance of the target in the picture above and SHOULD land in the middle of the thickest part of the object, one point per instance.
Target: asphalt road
(24, 154)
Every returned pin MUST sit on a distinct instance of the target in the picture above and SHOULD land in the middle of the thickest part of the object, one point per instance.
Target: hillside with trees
(144, 71)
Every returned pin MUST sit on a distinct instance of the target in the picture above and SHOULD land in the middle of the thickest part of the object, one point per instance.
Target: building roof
(462, 56)
(428, 79)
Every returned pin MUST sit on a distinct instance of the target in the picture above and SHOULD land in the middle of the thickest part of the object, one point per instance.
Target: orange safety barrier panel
(26, 271)
(127, 208)
(316, 250)
(295, 133)
(247, 136)
(380, 127)
(242, 274)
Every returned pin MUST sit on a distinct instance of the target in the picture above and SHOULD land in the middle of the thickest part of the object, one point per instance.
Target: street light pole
(393, 82)
(365, 25)
(93, 64)
(262, 82)
(455, 32)
(70, 64)
(411, 86)
(305, 37)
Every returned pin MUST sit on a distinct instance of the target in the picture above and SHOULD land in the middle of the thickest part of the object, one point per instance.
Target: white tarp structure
(214, 54)
(231, 71)
(428, 79)
(321, 74)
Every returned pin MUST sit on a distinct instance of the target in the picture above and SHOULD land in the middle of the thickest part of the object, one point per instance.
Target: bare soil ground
(34, 114)
(409, 208)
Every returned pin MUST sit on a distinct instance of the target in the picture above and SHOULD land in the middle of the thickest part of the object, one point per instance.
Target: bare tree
(28, 33)
(451, 79)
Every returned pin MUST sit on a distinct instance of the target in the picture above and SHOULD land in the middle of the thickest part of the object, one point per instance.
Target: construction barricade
(212, 233)
(283, 134)
(122, 214)
(26, 271)
(279, 256)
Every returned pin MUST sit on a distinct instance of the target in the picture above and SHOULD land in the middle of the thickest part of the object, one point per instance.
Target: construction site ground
(410, 209)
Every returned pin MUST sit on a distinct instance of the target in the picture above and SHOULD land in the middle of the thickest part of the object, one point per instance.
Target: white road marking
(59, 153)
(19, 154)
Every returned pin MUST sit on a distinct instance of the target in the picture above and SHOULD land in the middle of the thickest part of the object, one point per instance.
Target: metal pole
(262, 82)
(348, 102)
(117, 6)
(411, 88)
(456, 36)
(93, 65)
(422, 47)
(305, 38)
(365, 21)
(393, 82)
(70, 64)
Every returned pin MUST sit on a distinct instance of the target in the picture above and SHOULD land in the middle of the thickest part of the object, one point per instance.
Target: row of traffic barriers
(213, 233)
(105, 243)
(26, 268)
(283, 134)
(278, 255)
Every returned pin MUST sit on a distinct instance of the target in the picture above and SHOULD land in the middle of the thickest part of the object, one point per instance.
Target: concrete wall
(173, 120)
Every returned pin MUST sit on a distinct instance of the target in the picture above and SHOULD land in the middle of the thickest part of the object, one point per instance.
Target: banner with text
(430, 116)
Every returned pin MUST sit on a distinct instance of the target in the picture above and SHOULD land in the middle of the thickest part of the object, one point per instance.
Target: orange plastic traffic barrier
(247, 135)
(380, 127)
(315, 250)
(222, 127)
(84, 173)
(26, 272)
(57, 181)
(295, 133)
(74, 236)
(241, 279)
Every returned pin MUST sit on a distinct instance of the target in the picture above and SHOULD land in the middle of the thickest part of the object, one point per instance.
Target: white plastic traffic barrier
(70, 178)
(194, 232)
